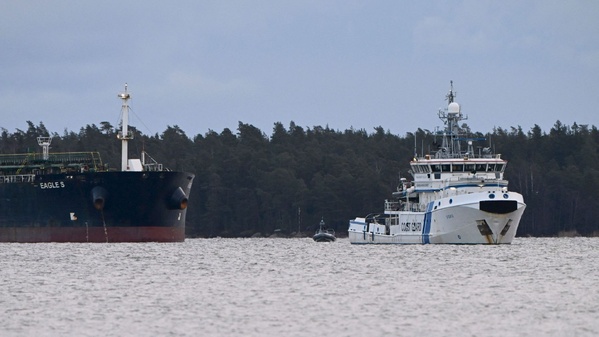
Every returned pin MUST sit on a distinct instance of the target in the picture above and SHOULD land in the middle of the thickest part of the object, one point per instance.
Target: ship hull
(324, 237)
(96, 207)
(466, 219)
(93, 234)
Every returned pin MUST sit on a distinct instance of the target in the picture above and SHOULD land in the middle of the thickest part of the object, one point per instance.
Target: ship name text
(52, 184)
(411, 226)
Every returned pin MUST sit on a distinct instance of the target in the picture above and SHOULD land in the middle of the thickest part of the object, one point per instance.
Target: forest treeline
(248, 182)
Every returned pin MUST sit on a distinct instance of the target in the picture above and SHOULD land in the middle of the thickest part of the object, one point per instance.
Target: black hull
(323, 237)
(96, 207)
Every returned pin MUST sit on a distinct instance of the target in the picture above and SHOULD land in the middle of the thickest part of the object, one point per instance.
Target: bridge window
(457, 168)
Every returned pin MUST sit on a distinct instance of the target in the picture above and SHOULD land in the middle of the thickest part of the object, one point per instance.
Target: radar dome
(453, 108)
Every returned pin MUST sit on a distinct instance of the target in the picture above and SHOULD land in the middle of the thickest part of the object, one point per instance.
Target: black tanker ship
(74, 197)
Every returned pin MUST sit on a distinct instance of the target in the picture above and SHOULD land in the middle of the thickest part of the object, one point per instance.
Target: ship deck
(14, 163)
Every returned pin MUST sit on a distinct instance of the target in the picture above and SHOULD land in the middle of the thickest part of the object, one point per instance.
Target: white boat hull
(465, 219)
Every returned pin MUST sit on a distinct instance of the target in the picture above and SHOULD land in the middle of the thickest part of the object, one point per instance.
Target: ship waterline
(92, 234)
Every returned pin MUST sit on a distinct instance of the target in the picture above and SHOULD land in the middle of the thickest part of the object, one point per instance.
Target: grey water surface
(297, 287)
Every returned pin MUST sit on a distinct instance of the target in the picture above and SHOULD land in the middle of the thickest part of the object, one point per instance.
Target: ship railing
(489, 178)
(150, 164)
(17, 178)
(394, 206)
(91, 159)
(416, 207)
(462, 155)
(455, 186)
(485, 180)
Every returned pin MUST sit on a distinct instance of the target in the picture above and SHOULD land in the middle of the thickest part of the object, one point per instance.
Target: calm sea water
(297, 287)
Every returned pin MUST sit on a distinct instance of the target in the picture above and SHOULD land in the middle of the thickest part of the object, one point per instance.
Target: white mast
(124, 135)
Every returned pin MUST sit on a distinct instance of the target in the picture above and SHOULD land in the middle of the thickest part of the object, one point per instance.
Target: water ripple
(296, 287)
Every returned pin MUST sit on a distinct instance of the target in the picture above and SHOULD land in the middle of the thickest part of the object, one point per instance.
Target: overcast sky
(206, 65)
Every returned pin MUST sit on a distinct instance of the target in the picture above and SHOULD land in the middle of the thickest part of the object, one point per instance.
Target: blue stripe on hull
(427, 223)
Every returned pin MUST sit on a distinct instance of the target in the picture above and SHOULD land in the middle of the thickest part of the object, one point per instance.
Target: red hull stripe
(94, 234)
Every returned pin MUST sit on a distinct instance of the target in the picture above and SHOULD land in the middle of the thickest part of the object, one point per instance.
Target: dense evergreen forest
(248, 182)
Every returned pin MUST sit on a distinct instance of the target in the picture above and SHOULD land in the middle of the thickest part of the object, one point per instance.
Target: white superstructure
(458, 196)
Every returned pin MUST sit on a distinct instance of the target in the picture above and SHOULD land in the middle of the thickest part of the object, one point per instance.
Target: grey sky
(209, 64)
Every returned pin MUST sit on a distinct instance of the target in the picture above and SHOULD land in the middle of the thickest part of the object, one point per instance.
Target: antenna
(415, 144)
(451, 95)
